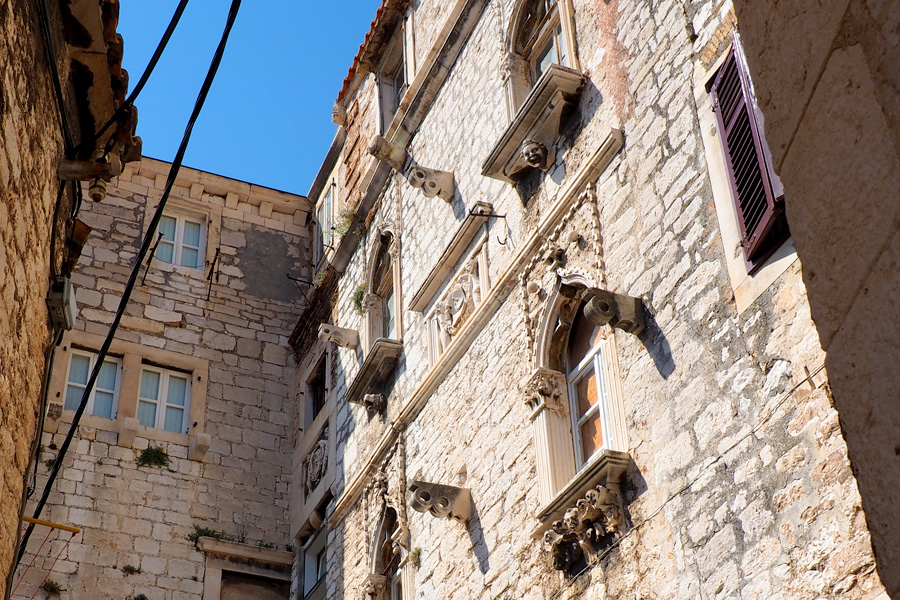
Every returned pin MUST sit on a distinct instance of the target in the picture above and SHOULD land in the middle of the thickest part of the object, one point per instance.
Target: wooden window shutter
(760, 213)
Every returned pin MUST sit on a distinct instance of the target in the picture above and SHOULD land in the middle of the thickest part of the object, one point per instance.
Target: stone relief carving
(442, 501)
(535, 153)
(374, 401)
(592, 524)
(458, 302)
(544, 390)
(316, 463)
(346, 338)
(387, 489)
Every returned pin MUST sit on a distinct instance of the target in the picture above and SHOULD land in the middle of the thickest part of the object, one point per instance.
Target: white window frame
(92, 356)
(178, 244)
(324, 224)
(592, 362)
(162, 397)
(315, 567)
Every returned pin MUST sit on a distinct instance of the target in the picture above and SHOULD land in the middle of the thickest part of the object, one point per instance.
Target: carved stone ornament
(374, 401)
(544, 390)
(535, 154)
(346, 338)
(442, 501)
(339, 115)
(385, 151)
(622, 312)
(316, 463)
(592, 524)
(432, 182)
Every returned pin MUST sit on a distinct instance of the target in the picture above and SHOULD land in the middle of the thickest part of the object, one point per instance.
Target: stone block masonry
(231, 347)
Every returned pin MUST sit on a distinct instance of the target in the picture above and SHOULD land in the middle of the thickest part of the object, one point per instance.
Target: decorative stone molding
(593, 523)
(538, 122)
(442, 501)
(389, 153)
(432, 182)
(544, 390)
(315, 465)
(617, 310)
(379, 364)
(346, 338)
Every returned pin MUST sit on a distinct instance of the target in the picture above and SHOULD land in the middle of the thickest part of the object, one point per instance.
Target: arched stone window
(383, 283)
(540, 35)
(386, 580)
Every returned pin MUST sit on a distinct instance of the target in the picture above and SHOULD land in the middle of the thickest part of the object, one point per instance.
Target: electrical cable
(138, 262)
(57, 82)
(129, 101)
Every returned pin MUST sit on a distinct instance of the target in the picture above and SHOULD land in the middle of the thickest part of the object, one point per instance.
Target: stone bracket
(346, 338)
(389, 153)
(200, 444)
(432, 182)
(442, 501)
(617, 310)
(128, 432)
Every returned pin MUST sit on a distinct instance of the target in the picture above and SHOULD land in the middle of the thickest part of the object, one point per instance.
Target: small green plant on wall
(51, 588)
(131, 570)
(139, 597)
(359, 294)
(153, 457)
(344, 221)
(200, 532)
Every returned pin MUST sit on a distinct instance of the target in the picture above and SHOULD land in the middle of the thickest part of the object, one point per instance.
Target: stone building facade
(198, 373)
(544, 357)
(62, 79)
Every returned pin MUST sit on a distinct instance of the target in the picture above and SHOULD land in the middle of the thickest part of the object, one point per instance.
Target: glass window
(181, 241)
(104, 398)
(383, 285)
(325, 220)
(587, 388)
(164, 400)
(315, 566)
(539, 38)
(317, 388)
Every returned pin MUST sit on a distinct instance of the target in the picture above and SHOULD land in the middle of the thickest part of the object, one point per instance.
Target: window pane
(584, 336)
(103, 404)
(73, 397)
(320, 565)
(177, 390)
(79, 369)
(586, 391)
(167, 228)
(545, 58)
(174, 419)
(165, 251)
(191, 235)
(390, 321)
(106, 380)
(150, 385)
(190, 257)
(591, 436)
(146, 414)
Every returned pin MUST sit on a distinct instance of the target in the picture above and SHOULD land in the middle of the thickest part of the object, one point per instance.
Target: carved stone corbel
(346, 338)
(385, 151)
(432, 182)
(536, 154)
(544, 390)
(623, 312)
(339, 115)
(592, 524)
(442, 501)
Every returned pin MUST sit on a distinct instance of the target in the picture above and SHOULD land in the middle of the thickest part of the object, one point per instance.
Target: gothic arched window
(587, 387)
(382, 302)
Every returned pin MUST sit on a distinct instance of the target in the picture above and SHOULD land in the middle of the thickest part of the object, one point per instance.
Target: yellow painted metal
(51, 524)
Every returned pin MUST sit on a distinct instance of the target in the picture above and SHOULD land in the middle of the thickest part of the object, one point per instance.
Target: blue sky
(268, 116)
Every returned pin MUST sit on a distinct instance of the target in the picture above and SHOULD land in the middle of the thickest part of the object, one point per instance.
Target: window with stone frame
(182, 240)
(757, 193)
(164, 399)
(586, 381)
(316, 391)
(315, 567)
(103, 400)
(392, 77)
(381, 303)
(324, 224)
(389, 572)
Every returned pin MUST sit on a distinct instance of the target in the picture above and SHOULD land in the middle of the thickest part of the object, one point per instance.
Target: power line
(138, 261)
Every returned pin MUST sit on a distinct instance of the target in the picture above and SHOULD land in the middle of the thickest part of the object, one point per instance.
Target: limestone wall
(32, 141)
(739, 484)
(831, 103)
(233, 346)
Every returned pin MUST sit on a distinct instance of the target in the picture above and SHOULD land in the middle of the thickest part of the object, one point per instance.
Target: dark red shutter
(760, 214)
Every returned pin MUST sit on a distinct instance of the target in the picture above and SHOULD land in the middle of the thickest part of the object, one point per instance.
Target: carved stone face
(535, 153)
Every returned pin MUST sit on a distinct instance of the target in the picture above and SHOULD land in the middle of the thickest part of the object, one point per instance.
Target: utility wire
(54, 72)
(144, 77)
(135, 271)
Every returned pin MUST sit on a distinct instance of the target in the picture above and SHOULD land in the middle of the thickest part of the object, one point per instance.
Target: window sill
(379, 364)
(279, 559)
(539, 119)
(606, 468)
